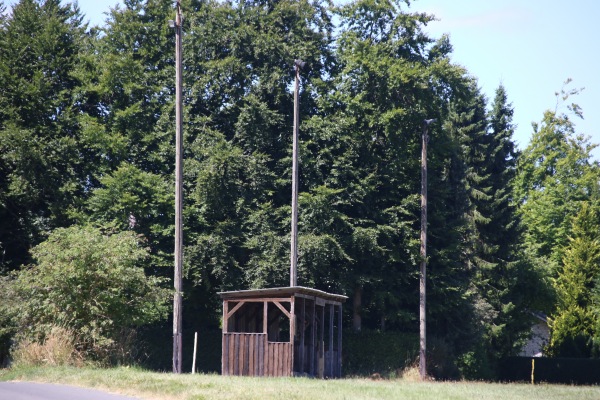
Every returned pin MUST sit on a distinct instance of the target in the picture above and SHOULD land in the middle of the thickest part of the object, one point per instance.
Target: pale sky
(530, 46)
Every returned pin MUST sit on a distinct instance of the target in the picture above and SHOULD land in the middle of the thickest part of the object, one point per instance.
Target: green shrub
(92, 284)
(8, 325)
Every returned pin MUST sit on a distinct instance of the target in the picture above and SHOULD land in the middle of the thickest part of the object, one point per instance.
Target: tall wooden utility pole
(423, 272)
(177, 298)
(298, 64)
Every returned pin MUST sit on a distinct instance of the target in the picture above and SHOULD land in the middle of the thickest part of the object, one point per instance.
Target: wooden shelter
(288, 331)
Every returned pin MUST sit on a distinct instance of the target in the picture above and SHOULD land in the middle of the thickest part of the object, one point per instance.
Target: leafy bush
(8, 316)
(92, 284)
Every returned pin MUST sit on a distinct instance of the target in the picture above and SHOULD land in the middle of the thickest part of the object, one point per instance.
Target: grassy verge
(152, 385)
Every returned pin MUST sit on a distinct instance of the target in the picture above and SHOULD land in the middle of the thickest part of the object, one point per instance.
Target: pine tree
(453, 224)
(574, 322)
(497, 282)
(505, 283)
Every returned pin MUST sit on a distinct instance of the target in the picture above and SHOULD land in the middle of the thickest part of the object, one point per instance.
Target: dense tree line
(557, 190)
(86, 142)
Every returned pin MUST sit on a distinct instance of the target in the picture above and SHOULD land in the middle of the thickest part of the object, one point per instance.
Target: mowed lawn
(153, 385)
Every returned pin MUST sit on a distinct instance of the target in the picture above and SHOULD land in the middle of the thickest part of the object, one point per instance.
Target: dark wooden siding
(279, 360)
(250, 354)
(243, 354)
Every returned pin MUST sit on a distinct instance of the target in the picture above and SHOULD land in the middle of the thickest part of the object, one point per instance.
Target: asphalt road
(47, 391)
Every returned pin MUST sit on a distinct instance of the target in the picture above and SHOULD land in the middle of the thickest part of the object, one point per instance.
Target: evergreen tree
(509, 284)
(555, 174)
(496, 281)
(41, 170)
(387, 82)
(504, 229)
(456, 315)
(239, 127)
(128, 126)
(503, 282)
(574, 322)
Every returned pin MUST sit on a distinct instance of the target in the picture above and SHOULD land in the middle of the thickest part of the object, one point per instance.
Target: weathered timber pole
(298, 64)
(177, 298)
(423, 269)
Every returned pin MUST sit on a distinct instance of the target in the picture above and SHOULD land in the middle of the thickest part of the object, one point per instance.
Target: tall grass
(166, 386)
(57, 348)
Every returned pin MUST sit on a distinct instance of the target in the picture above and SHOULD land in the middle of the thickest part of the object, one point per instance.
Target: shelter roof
(282, 292)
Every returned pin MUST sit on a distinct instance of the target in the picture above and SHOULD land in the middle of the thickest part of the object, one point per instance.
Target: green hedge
(158, 349)
(578, 371)
(370, 352)
(364, 353)
(208, 357)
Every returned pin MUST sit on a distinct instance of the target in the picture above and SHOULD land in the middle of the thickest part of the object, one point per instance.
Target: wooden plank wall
(243, 354)
(278, 359)
(250, 354)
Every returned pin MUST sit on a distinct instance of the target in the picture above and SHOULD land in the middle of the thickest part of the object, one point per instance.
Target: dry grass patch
(56, 349)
